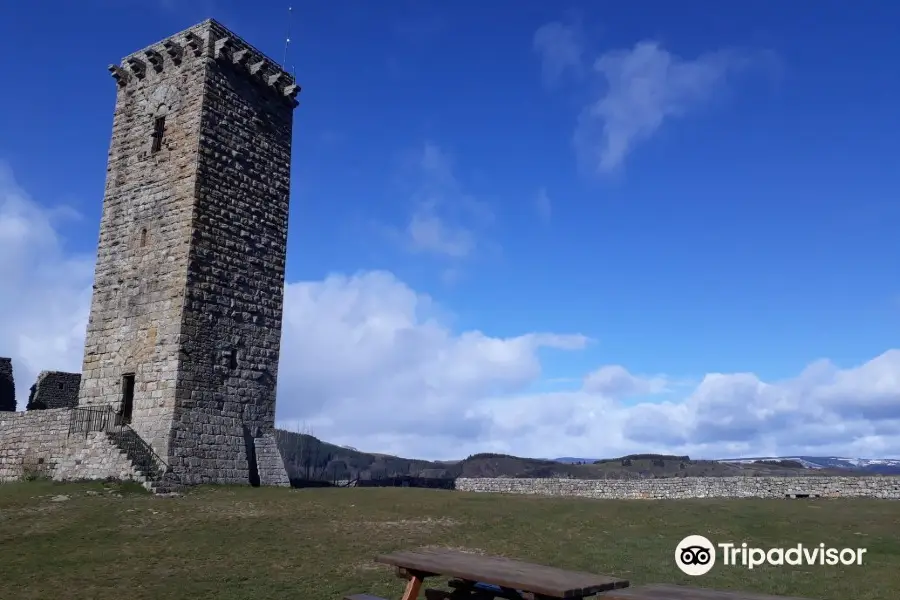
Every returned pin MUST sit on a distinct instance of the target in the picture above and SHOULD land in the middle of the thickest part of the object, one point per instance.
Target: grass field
(115, 542)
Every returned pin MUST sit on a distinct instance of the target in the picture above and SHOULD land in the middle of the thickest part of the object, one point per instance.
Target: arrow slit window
(159, 130)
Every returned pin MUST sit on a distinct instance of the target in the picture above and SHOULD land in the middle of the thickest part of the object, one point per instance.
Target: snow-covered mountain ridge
(876, 465)
(883, 466)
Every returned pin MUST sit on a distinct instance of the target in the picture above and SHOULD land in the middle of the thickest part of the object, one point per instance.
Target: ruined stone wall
(55, 389)
(7, 386)
(32, 443)
(37, 444)
(233, 306)
(691, 487)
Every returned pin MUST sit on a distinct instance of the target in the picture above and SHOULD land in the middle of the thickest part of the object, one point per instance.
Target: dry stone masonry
(270, 462)
(94, 456)
(184, 333)
(7, 386)
(692, 487)
(54, 389)
(37, 444)
(190, 269)
(32, 443)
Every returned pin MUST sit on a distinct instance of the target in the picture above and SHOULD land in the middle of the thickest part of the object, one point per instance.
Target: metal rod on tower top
(287, 39)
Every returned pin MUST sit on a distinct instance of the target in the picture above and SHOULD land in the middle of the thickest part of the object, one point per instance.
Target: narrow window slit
(159, 130)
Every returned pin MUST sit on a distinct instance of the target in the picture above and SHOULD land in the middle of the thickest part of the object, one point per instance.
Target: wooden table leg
(412, 588)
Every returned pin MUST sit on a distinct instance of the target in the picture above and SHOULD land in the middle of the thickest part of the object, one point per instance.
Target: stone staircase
(157, 476)
(135, 458)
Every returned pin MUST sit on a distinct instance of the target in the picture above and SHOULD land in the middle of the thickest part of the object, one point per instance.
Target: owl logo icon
(695, 555)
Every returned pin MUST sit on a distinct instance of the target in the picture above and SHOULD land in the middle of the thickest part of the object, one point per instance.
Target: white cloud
(445, 221)
(368, 361)
(429, 233)
(45, 292)
(614, 381)
(561, 48)
(401, 367)
(645, 86)
(639, 90)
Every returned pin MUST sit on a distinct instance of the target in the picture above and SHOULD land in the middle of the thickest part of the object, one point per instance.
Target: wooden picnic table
(683, 592)
(513, 579)
(477, 577)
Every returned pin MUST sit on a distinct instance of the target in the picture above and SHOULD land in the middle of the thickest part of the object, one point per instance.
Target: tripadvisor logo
(696, 555)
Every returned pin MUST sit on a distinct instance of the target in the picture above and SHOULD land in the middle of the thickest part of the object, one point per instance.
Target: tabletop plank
(683, 592)
(505, 572)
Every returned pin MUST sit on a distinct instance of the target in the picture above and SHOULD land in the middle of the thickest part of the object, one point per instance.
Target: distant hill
(882, 466)
(879, 466)
(307, 457)
(571, 460)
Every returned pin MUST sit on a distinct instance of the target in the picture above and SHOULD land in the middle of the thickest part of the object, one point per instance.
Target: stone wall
(32, 443)
(189, 280)
(37, 444)
(691, 487)
(7, 386)
(134, 326)
(269, 463)
(54, 389)
(236, 263)
(191, 258)
(95, 457)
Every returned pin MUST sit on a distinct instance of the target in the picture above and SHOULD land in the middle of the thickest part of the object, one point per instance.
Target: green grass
(114, 542)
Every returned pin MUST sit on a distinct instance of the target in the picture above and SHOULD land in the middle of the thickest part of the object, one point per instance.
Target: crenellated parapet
(210, 40)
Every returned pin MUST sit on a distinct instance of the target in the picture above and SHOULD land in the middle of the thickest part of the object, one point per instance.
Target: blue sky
(521, 208)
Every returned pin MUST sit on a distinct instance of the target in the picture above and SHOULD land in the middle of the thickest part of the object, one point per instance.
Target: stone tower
(185, 326)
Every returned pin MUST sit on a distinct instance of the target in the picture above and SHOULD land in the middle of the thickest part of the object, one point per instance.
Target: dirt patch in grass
(426, 524)
(477, 551)
(265, 543)
(235, 510)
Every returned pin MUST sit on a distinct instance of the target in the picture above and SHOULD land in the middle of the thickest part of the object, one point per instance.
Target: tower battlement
(212, 40)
